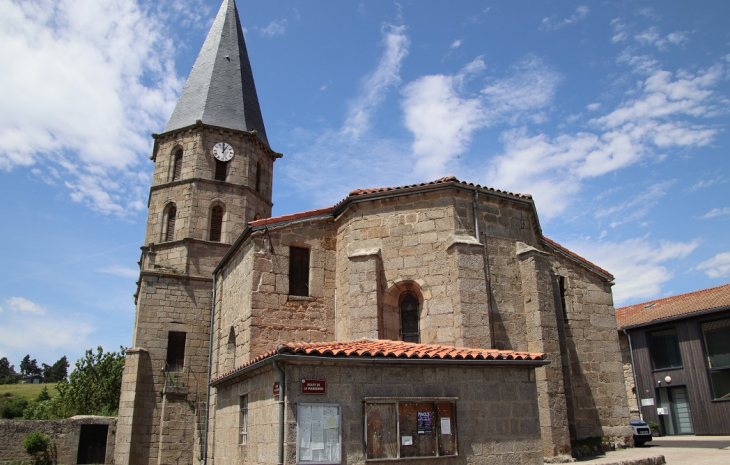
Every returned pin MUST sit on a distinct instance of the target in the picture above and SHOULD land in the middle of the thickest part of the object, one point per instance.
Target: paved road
(677, 450)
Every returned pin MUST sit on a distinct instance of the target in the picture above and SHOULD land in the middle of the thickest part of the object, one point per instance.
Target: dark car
(642, 432)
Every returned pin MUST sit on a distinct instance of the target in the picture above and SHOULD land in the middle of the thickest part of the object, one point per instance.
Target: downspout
(210, 367)
(282, 393)
(335, 314)
(633, 373)
(487, 275)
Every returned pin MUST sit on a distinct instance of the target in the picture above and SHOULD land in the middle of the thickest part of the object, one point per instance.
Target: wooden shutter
(258, 177)
(177, 167)
(175, 351)
(298, 271)
(220, 170)
(171, 214)
(216, 224)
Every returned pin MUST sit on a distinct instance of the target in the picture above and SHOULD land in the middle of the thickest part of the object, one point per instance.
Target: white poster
(318, 434)
(446, 426)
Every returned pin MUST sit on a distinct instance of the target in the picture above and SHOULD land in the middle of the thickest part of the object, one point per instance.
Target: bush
(39, 447)
(12, 407)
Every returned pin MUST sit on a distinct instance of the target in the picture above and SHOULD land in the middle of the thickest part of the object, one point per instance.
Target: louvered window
(220, 170)
(216, 224)
(177, 165)
(298, 271)
(409, 318)
(170, 233)
(258, 177)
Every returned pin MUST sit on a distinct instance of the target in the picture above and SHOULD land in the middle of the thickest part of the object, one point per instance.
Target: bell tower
(213, 174)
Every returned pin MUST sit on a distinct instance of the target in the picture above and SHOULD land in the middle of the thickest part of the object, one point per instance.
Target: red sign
(314, 386)
(276, 388)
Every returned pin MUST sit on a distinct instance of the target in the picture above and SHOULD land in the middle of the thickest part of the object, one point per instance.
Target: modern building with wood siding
(679, 348)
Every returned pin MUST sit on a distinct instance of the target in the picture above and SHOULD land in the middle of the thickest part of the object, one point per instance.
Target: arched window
(409, 317)
(169, 232)
(216, 223)
(220, 170)
(177, 165)
(258, 176)
(232, 347)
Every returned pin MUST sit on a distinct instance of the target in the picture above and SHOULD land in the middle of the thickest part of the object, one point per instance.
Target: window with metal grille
(243, 419)
(177, 165)
(170, 224)
(298, 271)
(216, 223)
(408, 428)
(716, 335)
(175, 351)
(409, 317)
(664, 349)
(258, 177)
(221, 168)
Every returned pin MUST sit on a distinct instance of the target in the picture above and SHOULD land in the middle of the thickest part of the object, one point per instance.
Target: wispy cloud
(553, 23)
(89, 78)
(704, 183)
(637, 207)
(456, 43)
(275, 28)
(717, 266)
(642, 266)
(121, 271)
(717, 212)
(652, 37)
(23, 305)
(376, 84)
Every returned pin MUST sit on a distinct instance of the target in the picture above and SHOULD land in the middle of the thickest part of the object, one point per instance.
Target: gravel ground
(677, 450)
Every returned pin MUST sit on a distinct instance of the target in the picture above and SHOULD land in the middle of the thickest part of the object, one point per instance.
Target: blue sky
(613, 115)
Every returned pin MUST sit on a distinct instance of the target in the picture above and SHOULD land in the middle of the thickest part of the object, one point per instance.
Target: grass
(27, 391)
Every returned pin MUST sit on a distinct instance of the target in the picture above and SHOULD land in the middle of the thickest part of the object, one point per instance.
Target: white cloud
(652, 37)
(552, 23)
(640, 266)
(121, 271)
(23, 305)
(619, 31)
(376, 84)
(32, 333)
(717, 212)
(275, 28)
(593, 106)
(717, 266)
(456, 43)
(89, 78)
(703, 183)
(637, 207)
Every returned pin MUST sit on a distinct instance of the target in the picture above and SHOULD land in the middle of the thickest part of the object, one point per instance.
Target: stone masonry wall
(628, 375)
(496, 410)
(65, 434)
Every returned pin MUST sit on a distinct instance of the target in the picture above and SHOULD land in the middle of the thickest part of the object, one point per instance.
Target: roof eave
(669, 319)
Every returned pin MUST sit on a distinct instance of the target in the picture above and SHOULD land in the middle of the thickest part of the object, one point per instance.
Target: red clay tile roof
(291, 217)
(383, 348)
(683, 304)
(576, 256)
(356, 192)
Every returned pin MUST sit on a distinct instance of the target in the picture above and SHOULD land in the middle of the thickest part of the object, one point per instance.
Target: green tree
(57, 372)
(7, 372)
(40, 447)
(93, 388)
(29, 367)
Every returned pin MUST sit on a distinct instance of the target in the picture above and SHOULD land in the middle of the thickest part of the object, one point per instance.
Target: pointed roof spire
(220, 89)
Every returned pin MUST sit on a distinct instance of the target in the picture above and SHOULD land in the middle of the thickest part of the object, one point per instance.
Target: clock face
(223, 151)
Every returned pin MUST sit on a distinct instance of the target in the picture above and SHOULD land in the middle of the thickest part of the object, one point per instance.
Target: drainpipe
(210, 367)
(633, 373)
(282, 393)
(487, 276)
(335, 314)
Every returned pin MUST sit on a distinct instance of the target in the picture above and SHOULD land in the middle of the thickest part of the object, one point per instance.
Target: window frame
(177, 161)
(653, 349)
(301, 433)
(220, 170)
(175, 352)
(436, 426)
(169, 220)
(219, 223)
(299, 275)
(401, 300)
(708, 361)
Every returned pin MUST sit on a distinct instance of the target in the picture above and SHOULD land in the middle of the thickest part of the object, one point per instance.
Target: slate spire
(220, 89)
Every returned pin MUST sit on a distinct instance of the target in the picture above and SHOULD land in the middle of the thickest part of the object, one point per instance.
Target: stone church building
(421, 321)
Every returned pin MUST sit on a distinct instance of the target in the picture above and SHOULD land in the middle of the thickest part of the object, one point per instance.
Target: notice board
(319, 438)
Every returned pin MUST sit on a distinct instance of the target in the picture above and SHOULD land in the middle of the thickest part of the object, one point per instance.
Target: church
(432, 320)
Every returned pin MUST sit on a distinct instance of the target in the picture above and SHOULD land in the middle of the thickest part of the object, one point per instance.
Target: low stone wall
(65, 433)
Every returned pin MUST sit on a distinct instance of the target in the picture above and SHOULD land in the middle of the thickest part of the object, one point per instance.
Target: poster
(318, 434)
(423, 422)
(446, 426)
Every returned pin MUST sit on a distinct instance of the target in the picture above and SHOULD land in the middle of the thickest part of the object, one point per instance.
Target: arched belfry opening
(401, 312)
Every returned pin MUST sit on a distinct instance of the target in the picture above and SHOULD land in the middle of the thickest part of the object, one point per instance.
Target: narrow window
(177, 165)
(409, 317)
(664, 349)
(220, 170)
(717, 348)
(216, 223)
(170, 232)
(564, 308)
(175, 351)
(298, 271)
(258, 177)
(244, 419)
(232, 347)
